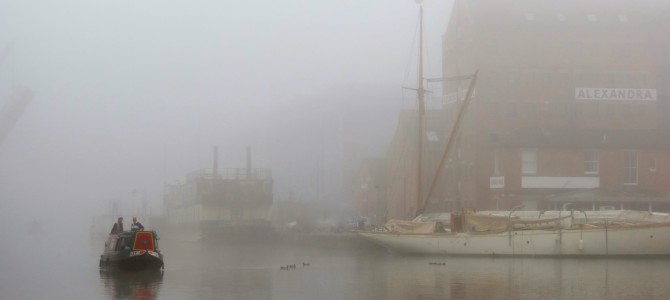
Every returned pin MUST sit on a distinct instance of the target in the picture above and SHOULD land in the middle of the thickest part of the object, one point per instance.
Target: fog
(129, 95)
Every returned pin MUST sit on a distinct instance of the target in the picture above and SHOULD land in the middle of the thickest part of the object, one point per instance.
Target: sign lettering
(615, 94)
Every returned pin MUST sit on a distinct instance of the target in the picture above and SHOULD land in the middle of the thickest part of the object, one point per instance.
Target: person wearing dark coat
(118, 226)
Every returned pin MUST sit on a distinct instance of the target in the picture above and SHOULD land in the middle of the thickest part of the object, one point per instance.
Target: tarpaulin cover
(401, 226)
(485, 223)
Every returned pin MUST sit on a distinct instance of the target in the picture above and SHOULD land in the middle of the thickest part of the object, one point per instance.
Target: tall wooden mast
(421, 115)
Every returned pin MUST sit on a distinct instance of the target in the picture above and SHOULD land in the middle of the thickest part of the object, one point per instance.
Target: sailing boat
(514, 233)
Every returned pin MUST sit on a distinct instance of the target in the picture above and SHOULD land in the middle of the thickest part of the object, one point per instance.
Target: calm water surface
(44, 268)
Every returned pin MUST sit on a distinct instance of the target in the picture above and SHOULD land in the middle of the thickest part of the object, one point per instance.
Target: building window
(591, 165)
(529, 161)
(630, 168)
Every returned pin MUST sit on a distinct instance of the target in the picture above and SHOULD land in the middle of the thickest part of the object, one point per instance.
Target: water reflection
(131, 285)
(529, 278)
(227, 271)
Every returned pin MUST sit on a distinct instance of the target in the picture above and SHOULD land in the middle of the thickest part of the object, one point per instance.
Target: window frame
(593, 160)
(630, 168)
(529, 166)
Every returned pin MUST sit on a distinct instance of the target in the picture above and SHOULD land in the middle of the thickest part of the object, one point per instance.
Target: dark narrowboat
(132, 250)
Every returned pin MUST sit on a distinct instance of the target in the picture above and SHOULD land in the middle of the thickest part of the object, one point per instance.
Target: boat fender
(581, 245)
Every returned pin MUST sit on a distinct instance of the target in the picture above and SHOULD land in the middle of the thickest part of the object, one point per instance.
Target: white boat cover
(402, 226)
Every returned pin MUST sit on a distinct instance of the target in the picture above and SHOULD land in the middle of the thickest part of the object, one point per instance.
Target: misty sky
(131, 94)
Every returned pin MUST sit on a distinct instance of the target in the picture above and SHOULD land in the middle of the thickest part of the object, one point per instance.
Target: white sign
(497, 182)
(615, 94)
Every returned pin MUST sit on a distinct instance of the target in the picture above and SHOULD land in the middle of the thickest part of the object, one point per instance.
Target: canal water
(54, 267)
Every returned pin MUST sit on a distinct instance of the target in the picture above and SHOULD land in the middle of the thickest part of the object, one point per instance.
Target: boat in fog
(213, 204)
(132, 250)
(530, 233)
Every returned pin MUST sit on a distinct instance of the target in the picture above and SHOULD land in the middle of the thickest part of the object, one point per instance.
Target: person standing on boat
(118, 226)
(136, 225)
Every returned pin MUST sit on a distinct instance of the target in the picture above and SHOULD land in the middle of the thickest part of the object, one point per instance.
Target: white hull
(647, 240)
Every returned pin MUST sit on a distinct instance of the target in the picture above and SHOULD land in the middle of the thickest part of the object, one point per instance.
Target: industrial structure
(231, 202)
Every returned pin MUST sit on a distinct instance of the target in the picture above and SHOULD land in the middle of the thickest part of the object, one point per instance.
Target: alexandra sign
(614, 94)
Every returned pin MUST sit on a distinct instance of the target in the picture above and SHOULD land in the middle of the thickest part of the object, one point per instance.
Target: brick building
(571, 105)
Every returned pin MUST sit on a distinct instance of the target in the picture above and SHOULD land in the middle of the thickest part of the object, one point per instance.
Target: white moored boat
(578, 234)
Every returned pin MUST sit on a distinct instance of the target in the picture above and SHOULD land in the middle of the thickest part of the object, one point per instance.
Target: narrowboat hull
(132, 250)
(133, 260)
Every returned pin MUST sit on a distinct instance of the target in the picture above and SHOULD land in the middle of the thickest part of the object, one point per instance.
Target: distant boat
(228, 204)
(132, 250)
